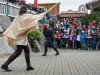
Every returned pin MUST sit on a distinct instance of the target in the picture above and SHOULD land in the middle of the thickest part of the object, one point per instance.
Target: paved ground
(69, 62)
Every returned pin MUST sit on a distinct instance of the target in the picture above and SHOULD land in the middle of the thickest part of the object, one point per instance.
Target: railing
(10, 9)
(2, 7)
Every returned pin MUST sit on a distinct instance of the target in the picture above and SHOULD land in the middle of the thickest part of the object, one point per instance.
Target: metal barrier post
(6, 8)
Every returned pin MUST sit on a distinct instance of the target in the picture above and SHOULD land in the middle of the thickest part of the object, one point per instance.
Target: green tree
(95, 16)
(96, 9)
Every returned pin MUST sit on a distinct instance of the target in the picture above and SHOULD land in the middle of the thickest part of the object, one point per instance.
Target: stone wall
(4, 24)
(4, 47)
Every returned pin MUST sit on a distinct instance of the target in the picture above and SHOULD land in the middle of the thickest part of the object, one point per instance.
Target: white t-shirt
(78, 37)
(23, 41)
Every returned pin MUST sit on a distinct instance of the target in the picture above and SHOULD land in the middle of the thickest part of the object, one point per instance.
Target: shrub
(34, 35)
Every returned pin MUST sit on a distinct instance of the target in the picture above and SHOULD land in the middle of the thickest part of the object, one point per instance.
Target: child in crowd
(83, 40)
(65, 38)
(89, 42)
(94, 41)
(78, 41)
(84, 28)
(58, 36)
(71, 39)
(99, 41)
(75, 40)
(55, 40)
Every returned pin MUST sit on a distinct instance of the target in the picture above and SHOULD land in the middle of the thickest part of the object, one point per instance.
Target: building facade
(82, 11)
(93, 4)
(47, 6)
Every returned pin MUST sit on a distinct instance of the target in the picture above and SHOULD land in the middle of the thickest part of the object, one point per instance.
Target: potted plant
(33, 38)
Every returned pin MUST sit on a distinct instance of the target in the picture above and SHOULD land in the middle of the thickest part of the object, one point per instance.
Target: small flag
(22, 0)
(36, 3)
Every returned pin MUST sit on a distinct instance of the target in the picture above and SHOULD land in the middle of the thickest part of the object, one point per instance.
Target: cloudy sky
(65, 4)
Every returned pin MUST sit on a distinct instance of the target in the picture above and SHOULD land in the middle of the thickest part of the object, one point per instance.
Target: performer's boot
(27, 57)
(10, 59)
(57, 52)
(45, 52)
(5, 67)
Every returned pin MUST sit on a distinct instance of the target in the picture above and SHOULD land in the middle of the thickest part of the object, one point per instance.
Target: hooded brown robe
(21, 26)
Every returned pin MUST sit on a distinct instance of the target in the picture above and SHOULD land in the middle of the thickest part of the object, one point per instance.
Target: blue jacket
(94, 38)
(83, 37)
(65, 25)
(43, 21)
(65, 36)
(75, 38)
(88, 39)
(79, 30)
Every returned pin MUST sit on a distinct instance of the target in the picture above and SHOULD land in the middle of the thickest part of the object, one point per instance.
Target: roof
(73, 12)
(82, 9)
(93, 4)
(92, 1)
(72, 15)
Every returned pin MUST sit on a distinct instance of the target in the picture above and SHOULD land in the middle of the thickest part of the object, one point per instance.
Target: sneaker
(80, 48)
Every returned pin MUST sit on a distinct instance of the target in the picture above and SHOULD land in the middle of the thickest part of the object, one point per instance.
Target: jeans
(99, 46)
(94, 46)
(71, 44)
(55, 43)
(83, 45)
(78, 44)
(75, 44)
(88, 45)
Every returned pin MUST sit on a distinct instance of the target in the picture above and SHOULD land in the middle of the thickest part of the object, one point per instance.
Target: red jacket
(94, 24)
(75, 26)
(84, 29)
(58, 35)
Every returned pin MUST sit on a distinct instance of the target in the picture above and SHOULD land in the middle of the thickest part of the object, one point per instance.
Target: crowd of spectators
(17, 2)
(70, 32)
(29, 6)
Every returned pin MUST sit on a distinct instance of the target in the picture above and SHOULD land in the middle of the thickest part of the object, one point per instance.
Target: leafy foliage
(95, 16)
(34, 35)
(96, 9)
